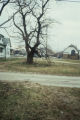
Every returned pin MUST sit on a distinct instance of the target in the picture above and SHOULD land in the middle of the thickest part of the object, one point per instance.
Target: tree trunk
(30, 58)
(30, 54)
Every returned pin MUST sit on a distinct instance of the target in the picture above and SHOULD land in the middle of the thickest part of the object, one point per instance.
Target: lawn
(69, 60)
(28, 101)
(41, 66)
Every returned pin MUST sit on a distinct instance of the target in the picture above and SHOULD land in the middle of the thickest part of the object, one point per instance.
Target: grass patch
(69, 60)
(28, 101)
(40, 66)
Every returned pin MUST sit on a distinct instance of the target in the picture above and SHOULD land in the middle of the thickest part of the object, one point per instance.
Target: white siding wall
(69, 49)
(5, 52)
(2, 54)
(1, 41)
(8, 50)
(79, 54)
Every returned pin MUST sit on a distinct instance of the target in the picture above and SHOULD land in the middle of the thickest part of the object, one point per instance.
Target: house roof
(2, 44)
(1, 36)
(72, 46)
(4, 40)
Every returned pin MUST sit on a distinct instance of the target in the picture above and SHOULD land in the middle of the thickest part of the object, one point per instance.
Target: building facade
(4, 47)
(71, 52)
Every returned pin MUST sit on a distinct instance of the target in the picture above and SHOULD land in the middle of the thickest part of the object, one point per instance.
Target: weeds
(27, 101)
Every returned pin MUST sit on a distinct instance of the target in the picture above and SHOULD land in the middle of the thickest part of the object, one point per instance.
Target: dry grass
(40, 66)
(27, 101)
(69, 60)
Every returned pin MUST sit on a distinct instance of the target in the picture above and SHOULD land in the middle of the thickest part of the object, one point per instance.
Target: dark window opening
(73, 53)
(1, 50)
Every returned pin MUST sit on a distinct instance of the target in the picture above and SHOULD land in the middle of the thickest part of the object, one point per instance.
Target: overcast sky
(68, 31)
(64, 33)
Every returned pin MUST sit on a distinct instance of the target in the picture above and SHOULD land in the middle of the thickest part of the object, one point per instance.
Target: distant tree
(31, 21)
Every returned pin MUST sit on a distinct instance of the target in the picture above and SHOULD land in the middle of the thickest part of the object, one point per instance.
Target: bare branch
(4, 4)
(18, 27)
(9, 19)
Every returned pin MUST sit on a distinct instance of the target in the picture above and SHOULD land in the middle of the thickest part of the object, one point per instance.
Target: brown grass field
(41, 66)
(28, 101)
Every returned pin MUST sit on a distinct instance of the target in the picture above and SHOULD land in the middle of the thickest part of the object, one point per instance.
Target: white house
(71, 52)
(4, 47)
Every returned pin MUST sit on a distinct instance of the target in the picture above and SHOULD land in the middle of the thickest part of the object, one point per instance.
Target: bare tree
(4, 3)
(32, 24)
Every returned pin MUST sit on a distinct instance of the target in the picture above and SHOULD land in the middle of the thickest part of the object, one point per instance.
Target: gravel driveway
(50, 80)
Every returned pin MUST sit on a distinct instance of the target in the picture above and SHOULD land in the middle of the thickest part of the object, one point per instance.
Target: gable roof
(72, 46)
(4, 40)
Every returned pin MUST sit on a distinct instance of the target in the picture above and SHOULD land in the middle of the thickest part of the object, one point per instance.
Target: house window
(1, 50)
(73, 53)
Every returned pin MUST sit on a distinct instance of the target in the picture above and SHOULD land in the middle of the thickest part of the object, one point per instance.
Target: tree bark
(30, 58)
(30, 53)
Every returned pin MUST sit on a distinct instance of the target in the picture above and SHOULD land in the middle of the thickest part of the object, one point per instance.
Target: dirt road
(50, 80)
